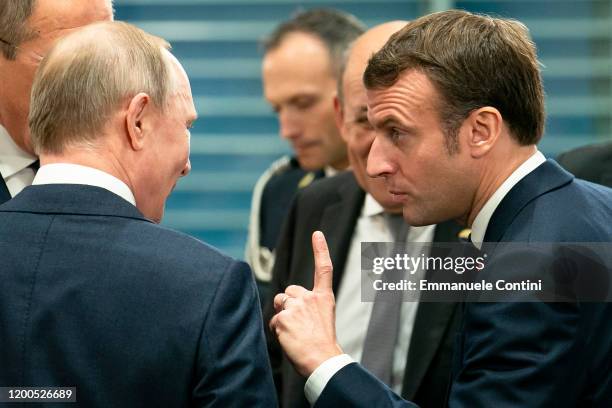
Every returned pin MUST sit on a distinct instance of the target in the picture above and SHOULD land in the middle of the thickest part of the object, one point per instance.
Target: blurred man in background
(414, 357)
(300, 73)
(94, 294)
(28, 29)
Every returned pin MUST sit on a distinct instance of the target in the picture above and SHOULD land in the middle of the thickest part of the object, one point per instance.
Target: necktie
(5, 195)
(35, 166)
(383, 328)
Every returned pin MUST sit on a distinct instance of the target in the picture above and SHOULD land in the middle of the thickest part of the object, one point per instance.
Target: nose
(378, 164)
(186, 169)
(288, 126)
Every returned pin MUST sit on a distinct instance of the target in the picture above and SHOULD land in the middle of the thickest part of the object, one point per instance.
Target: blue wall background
(236, 136)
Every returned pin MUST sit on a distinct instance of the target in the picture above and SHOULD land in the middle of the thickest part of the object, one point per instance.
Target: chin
(309, 165)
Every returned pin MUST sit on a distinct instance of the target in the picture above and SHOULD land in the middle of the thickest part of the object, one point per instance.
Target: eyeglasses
(36, 56)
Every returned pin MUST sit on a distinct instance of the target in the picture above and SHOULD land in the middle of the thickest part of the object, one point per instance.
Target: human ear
(483, 126)
(137, 110)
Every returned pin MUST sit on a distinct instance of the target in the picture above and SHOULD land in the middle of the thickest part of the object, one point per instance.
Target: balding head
(112, 97)
(87, 76)
(351, 109)
(363, 48)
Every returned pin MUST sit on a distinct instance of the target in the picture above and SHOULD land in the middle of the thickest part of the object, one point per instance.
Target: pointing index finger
(323, 273)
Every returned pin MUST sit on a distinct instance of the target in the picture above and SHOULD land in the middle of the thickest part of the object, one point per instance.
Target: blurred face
(168, 152)
(359, 135)
(50, 20)
(409, 153)
(299, 85)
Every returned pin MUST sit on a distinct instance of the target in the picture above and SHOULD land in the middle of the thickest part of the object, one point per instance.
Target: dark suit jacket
(519, 354)
(94, 295)
(592, 163)
(276, 197)
(333, 206)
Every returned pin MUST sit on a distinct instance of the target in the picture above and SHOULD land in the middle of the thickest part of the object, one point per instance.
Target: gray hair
(88, 75)
(13, 28)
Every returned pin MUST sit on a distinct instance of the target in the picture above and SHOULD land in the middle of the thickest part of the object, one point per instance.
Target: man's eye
(395, 134)
(304, 103)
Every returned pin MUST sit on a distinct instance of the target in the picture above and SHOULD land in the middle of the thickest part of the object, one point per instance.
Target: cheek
(20, 87)
(364, 143)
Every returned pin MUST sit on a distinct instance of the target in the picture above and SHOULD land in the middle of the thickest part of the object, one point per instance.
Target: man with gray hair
(92, 286)
(28, 29)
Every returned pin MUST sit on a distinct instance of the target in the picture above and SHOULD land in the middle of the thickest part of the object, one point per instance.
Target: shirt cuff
(320, 377)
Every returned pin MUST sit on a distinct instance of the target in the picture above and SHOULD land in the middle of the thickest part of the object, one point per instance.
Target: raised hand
(305, 319)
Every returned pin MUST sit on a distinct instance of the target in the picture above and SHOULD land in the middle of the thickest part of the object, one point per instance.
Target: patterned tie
(383, 328)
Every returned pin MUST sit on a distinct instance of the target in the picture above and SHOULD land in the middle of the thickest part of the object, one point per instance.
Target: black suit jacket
(592, 163)
(94, 295)
(333, 206)
(523, 354)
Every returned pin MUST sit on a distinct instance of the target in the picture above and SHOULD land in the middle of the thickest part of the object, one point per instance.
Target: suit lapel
(431, 323)
(546, 177)
(339, 220)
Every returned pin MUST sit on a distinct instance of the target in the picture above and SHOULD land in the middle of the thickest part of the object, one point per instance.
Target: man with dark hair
(352, 208)
(300, 73)
(28, 29)
(592, 163)
(457, 103)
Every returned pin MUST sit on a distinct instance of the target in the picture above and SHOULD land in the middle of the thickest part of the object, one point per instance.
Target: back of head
(473, 61)
(87, 76)
(336, 29)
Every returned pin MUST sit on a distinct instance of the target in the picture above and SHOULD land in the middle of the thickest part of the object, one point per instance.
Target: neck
(96, 158)
(17, 127)
(497, 169)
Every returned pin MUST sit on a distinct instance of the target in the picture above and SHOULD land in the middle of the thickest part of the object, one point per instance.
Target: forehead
(412, 95)
(182, 88)
(299, 60)
(352, 83)
(55, 16)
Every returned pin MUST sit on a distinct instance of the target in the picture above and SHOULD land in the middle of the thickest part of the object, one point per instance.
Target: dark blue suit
(519, 354)
(94, 295)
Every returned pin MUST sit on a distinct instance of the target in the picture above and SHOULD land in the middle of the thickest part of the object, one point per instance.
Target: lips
(304, 146)
(398, 196)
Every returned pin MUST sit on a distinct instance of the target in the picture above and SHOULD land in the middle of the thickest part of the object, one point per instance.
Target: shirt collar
(481, 222)
(12, 158)
(329, 171)
(371, 207)
(66, 173)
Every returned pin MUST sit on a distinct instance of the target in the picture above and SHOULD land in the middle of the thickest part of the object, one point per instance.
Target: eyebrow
(385, 123)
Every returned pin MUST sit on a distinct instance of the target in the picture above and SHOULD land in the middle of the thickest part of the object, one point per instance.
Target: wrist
(319, 357)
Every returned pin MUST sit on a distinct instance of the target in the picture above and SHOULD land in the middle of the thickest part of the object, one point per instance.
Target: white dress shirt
(14, 164)
(321, 376)
(66, 173)
(353, 315)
